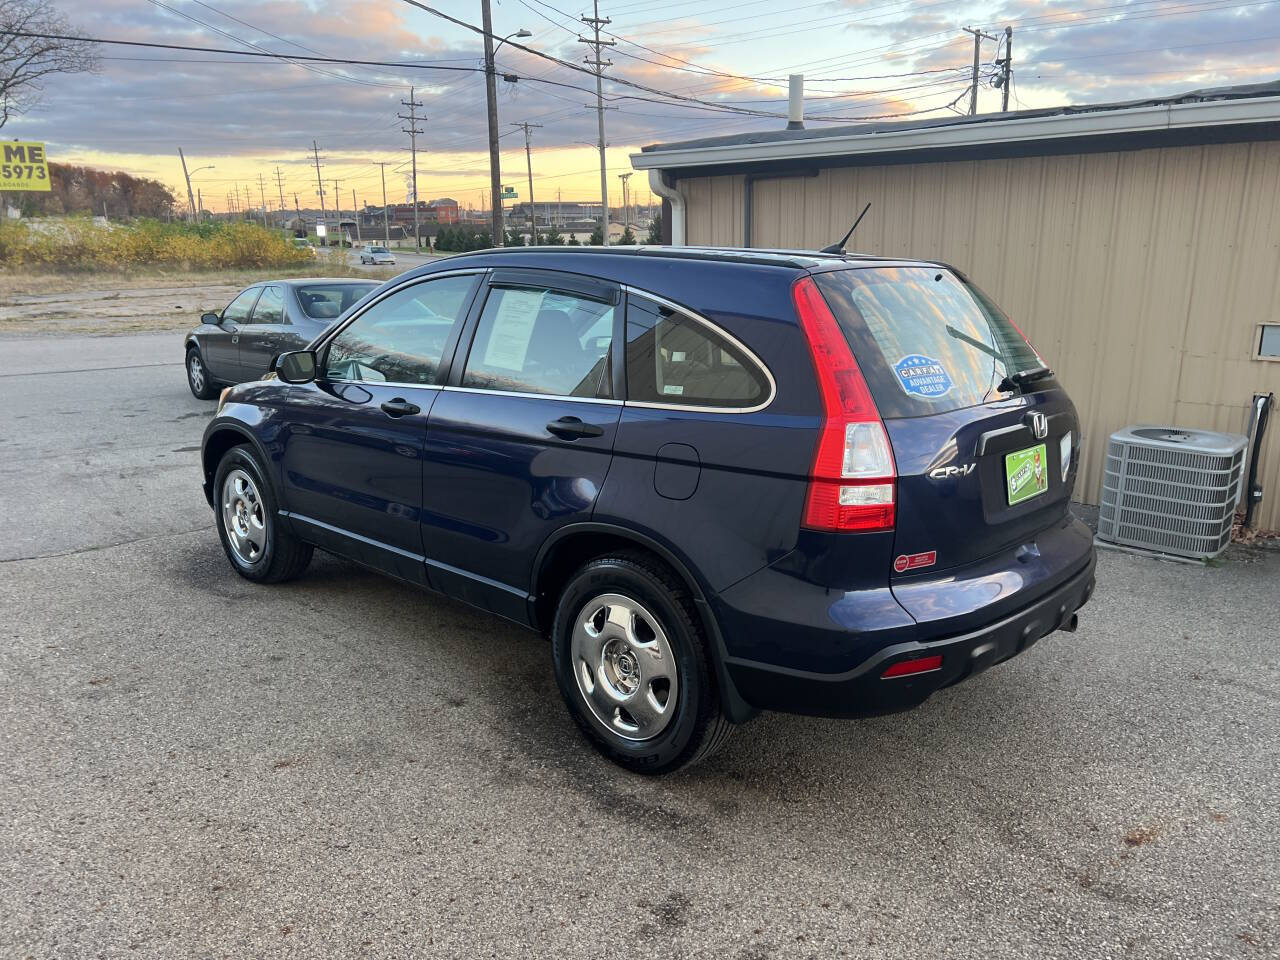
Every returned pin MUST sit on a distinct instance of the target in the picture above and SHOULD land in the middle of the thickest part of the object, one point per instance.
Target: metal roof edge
(1171, 116)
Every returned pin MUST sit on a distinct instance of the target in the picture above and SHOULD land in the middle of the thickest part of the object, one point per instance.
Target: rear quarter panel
(746, 471)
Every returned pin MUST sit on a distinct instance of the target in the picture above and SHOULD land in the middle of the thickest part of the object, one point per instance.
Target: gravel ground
(193, 766)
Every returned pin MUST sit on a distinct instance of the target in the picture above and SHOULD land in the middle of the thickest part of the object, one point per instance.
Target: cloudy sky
(705, 58)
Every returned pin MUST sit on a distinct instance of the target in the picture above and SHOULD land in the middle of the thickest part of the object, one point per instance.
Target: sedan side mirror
(212, 319)
(298, 366)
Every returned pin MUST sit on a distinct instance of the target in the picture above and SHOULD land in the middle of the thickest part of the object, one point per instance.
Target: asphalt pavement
(195, 766)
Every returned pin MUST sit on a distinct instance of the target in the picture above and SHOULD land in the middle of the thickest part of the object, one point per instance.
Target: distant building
(444, 210)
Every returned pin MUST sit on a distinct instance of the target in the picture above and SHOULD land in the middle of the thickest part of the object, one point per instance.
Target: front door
(222, 349)
(519, 443)
(352, 443)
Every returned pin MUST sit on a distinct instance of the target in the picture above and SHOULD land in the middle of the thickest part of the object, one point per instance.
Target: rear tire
(198, 379)
(631, 660)
(257, 544)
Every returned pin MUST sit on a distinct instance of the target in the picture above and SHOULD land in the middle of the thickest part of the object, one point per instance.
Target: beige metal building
(1137, 245)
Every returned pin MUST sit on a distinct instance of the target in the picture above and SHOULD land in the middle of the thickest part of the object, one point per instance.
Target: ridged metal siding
(1140, 275)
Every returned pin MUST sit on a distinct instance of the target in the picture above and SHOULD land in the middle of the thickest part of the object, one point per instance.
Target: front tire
(255, 542)
(631, 661)
(198, 379)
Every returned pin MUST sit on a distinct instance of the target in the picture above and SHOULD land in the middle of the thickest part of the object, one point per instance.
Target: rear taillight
(852, 481)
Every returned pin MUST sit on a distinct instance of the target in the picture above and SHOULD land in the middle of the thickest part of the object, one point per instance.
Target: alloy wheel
(244, 517)
(624, 667)
(195, 370)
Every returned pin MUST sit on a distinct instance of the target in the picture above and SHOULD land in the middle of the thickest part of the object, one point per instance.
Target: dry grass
(142, 299)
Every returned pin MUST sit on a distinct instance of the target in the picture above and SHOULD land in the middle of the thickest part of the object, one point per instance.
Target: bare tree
(25, 60)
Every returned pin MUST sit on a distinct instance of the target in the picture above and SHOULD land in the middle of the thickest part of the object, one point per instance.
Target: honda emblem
(1039, 425)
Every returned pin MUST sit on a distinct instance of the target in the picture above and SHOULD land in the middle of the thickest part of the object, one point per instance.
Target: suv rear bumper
(862, 691)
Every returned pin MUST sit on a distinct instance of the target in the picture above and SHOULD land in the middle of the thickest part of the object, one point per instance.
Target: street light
(491, 99)
(196, 213)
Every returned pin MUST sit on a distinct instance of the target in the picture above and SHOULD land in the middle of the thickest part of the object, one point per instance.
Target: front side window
(402, 337)
(238, 309)
(270, 306)
(673, 358)
(328, 301)
(538, 340)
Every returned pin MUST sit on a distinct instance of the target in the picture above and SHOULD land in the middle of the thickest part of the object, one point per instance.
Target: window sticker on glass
(512, 328)
(923, 376)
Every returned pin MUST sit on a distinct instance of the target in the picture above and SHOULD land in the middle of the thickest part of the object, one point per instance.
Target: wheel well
(218, 445)
(571, 553)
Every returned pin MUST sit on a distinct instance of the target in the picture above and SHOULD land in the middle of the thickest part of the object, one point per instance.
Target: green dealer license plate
(1026, 473)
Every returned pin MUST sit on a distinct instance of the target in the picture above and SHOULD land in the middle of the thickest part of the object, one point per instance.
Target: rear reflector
(852, 481)
(908, 668)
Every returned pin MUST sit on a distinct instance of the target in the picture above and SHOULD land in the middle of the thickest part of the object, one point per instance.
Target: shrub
(79, 244)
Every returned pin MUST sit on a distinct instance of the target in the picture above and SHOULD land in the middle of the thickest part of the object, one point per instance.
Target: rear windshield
(330, 300)
(927, 341)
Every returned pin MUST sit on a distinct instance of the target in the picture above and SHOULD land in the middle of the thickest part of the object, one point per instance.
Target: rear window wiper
(989, 350)
(1016, 381)
(1012, 381)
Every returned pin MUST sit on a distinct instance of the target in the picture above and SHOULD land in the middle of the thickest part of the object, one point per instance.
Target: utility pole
(355, 207)
(297, 212)
(491, 105)
(528, 162)
(186, 176)
(1006, 70)
(626, 201)
(978, 36)
(337, 203)
(199, 205)
(280, 187)
(262, 194)
(320, 188)
(386, 219)
(413, 132)
(596, 22)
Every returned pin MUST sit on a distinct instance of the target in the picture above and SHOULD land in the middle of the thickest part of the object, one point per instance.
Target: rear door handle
(571, 428)
(399, 407)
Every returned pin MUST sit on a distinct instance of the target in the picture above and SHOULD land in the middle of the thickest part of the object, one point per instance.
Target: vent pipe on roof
(795, 103)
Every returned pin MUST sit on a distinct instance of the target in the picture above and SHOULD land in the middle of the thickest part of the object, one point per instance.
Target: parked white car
(370, 253)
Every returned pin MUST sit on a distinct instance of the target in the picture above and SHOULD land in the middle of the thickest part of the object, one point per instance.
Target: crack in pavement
(127, 366)
(107, 546)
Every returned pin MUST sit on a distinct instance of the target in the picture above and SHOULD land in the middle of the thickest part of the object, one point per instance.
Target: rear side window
(538, 340)
(927, 341)
(329, 301)
(673, 358)
(270, 306)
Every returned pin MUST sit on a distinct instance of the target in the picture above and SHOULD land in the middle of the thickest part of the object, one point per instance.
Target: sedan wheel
(244, 517)
(198, 379)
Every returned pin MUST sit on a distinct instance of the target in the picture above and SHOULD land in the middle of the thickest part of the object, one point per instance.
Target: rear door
(519, 442)
(983, 463)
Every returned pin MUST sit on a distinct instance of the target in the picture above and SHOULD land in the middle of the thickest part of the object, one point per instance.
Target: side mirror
(296, 367)
(211, 318)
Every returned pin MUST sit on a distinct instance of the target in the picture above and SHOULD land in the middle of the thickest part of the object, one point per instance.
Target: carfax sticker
(923, 376)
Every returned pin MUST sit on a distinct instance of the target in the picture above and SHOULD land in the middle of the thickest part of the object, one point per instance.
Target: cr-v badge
(941, 473)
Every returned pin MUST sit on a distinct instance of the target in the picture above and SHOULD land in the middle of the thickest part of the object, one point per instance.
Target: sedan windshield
(329, 301)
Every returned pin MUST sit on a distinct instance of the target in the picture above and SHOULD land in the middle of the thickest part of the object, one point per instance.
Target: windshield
(377, 249)
(330, 300)
(927, 341)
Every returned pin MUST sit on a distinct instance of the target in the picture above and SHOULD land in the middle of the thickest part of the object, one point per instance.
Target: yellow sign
(23, 166)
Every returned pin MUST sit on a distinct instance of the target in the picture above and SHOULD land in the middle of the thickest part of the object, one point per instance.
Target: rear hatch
(983, 436)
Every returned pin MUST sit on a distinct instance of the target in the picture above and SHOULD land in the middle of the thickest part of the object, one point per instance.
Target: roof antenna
(839, 247)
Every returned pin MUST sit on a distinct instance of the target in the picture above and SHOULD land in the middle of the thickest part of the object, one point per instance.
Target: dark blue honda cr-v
(721, 480)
